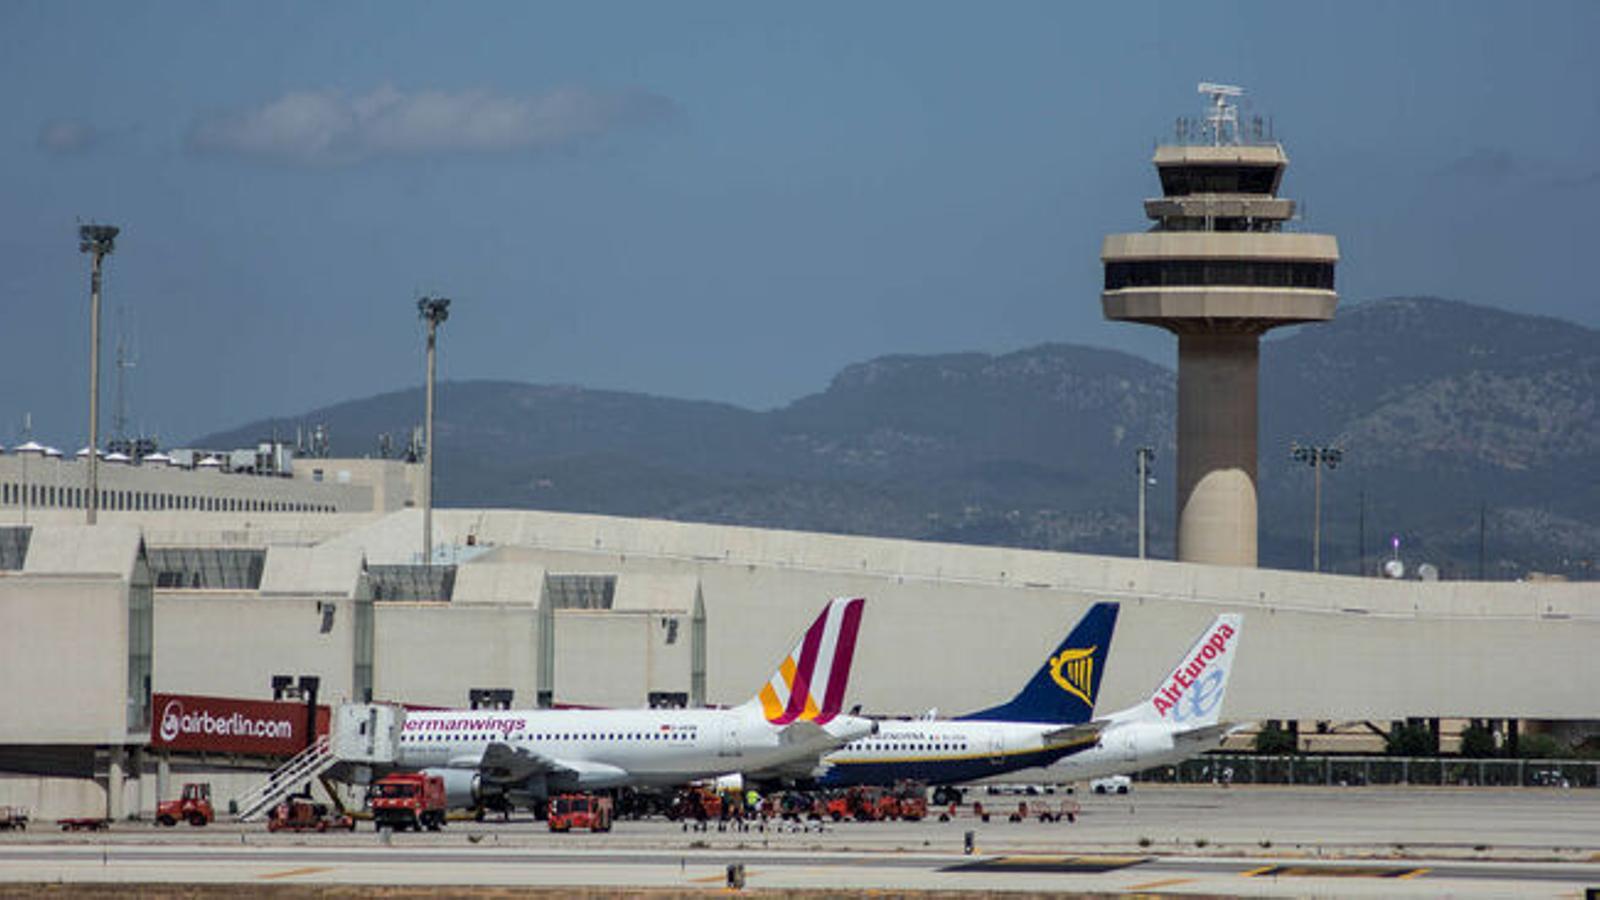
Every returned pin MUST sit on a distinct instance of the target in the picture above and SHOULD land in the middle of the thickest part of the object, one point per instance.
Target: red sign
(225, 725)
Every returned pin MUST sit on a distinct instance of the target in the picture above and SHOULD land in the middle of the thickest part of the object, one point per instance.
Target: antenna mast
(119, 419)
(1223, 116)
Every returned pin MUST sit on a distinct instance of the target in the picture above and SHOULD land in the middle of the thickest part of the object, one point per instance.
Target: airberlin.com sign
(223, 725)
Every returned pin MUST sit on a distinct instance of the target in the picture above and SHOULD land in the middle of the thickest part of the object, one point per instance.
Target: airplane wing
(1081, 735)
(504, 763)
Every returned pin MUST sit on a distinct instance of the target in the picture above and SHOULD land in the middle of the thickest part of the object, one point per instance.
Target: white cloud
(317, 128)
(63, 137)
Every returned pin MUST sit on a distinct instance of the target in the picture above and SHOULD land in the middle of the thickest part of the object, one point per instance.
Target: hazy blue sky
(726, 201)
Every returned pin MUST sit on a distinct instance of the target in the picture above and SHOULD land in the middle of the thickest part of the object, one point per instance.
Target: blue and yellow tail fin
(1064, 689)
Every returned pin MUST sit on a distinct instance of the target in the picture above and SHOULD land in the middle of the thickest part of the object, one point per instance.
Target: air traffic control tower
(1218, 270)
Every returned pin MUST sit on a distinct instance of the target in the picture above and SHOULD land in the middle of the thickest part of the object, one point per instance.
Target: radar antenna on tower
(1222, 115)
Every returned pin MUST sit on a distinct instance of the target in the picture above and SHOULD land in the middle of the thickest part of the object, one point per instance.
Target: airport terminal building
(526, 608)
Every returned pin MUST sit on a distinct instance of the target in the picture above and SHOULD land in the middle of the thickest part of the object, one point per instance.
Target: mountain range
(1470, 436)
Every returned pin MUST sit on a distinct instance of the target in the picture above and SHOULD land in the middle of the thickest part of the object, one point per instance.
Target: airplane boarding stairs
(306, 765)
(361, 733)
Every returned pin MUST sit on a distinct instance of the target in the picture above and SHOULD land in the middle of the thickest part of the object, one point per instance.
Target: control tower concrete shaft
(1217, 270)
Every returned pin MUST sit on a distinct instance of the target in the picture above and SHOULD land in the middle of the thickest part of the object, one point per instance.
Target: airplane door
(731, 745)
(997, 748)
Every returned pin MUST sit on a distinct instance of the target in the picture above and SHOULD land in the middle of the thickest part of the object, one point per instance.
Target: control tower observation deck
(1218, 270)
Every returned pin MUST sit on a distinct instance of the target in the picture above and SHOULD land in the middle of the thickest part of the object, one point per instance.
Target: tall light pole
(98, 241)
(433, 310)
(1318, 458)
(1146, 455)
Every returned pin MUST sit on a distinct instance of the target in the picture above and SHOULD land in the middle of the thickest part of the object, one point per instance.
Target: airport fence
(1379, 770)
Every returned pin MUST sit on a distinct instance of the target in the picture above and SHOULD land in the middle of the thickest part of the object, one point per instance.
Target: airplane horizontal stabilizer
(1074, 735)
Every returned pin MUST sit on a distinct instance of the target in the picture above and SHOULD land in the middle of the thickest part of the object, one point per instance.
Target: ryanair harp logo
(1074, 671)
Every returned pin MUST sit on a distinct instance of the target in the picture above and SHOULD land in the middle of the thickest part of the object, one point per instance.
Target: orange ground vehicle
(864, 804)
(912, 801)
(697, 803)
(792, 806)
(408, 800)
(569, 811)
(300, 814)
(193, 806)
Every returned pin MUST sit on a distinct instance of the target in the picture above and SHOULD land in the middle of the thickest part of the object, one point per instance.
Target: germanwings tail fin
(1191, 695)
(1064, 688)
(809, 684)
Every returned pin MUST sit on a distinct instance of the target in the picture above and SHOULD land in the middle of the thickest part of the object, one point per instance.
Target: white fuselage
(621, 747)
(940, 751)
(1123, 749)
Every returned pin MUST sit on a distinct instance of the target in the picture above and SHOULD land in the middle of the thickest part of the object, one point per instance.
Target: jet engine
(464, 788)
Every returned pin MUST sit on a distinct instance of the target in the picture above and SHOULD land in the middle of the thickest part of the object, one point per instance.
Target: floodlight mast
(98, 241)
(434, 311)
(1145, 455)
(1318, 458)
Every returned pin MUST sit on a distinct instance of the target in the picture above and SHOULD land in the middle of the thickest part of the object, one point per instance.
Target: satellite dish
(1428, 572)
(1394, 568)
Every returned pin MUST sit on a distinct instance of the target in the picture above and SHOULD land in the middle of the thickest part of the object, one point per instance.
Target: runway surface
(1164, 840)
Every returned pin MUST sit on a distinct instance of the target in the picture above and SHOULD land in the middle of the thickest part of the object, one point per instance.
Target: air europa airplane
(1180, 719)
(501, 759)
(1048, 719)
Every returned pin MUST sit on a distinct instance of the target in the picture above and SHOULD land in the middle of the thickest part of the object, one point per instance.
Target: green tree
(1274, 739)
(1540, 746)
(1411, 739)
(1477, 741)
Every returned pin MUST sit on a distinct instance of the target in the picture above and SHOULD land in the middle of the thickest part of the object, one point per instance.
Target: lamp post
(1145, 455)
(1318, 458)
(433, 310)
(98, 241)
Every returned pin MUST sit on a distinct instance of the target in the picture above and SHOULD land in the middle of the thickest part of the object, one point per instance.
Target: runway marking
(718, 879)
(290, 873)
(1152, 885)
(1325, 871)
(1087, 865)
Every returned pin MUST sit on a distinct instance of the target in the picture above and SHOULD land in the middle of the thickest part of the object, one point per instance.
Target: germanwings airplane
(1047, 720)
(500, 759)
(1182, 718)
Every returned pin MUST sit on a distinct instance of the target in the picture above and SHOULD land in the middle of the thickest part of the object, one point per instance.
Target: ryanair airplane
(1048, 719)
(500, 759)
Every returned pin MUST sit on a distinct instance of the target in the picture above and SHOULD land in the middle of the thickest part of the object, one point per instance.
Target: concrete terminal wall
(602, 659)
(959, 627)
(48, 799)
(63, 659)
(432, 654)
(231, 643)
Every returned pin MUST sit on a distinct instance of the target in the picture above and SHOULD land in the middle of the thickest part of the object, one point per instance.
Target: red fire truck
(408, 800)
(569, 811)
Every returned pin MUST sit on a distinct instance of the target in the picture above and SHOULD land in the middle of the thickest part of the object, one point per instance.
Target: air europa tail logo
(1074, 671)
(1186, 675)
